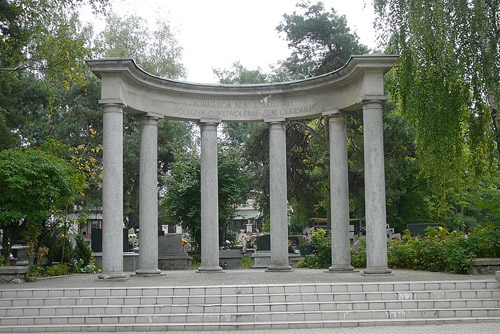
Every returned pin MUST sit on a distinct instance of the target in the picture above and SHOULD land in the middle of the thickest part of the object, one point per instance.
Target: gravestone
(264, 243)
(171, 253)
(419, 229)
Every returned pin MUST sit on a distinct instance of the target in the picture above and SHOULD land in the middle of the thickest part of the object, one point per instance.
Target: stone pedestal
(209, 199)
(278, 197)
(375, 210)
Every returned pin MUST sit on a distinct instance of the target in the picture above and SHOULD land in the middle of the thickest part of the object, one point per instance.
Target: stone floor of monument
(252, 300)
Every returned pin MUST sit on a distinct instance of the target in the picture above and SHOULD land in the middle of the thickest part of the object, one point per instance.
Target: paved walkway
(240, 277)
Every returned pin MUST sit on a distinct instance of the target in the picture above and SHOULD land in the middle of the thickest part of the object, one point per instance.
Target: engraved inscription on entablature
(245, 110)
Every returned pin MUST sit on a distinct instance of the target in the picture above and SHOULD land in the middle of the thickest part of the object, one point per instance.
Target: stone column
(278, 196)
(209, 198)
(375, 211)
(339, 193)
(112, 193)
(148, 198)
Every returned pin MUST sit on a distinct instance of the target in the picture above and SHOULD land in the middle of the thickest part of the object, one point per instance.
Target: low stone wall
(486, 266)
(13, 274)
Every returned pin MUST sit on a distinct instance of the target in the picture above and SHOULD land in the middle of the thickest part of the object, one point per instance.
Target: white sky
(217, 33)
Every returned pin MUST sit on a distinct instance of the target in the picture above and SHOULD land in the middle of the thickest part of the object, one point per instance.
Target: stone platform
(247, 300)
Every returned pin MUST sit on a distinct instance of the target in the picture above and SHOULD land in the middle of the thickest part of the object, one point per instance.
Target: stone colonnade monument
(357, 85)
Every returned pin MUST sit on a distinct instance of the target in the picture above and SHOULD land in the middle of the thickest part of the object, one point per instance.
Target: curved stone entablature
(123, 82)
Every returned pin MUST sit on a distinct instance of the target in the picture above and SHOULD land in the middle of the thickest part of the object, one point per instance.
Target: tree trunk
(496, 121)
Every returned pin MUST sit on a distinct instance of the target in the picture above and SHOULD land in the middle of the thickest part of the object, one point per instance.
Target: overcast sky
(217, 33)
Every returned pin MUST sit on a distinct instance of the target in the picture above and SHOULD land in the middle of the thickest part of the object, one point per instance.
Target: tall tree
(157, 52)
(320, 40)
(447, 85)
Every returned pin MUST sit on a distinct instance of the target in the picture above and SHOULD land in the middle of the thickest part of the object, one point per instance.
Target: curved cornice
(125, 83)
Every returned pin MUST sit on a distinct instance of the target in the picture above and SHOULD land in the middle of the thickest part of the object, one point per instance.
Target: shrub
(358, 254)
(246, 262)
(485, 240)
(82, 252)
(322, 250)
(57, 270)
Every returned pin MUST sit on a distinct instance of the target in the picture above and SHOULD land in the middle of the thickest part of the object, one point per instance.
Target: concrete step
(247, 306)
(292, 324)
(257, 317)
(250, 289)
(161, 308)
(190, 298)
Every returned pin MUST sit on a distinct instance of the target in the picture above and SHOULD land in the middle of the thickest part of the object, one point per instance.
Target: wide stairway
(270, 306)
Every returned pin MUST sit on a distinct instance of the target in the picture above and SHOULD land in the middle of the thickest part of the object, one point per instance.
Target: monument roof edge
(378, 62)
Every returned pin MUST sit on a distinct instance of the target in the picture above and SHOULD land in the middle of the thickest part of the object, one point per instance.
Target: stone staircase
(247, 307)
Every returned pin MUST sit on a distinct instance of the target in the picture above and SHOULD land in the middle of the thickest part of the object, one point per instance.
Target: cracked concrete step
(221, 299)
(251, 316)
(251, 289)
(235, 307)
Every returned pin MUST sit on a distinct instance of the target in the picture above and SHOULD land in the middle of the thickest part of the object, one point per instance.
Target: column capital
(117, 102)
(335, 116)
(209, 121)
(148, 120)
(273, 121)
(367, 99)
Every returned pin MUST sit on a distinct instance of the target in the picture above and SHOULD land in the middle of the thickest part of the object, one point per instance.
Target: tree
(446, 85)
(320, 40)
(157, 51)
(34, 185)
(182, 201)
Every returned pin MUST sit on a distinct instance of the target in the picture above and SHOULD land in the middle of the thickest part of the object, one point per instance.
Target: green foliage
(182, 201)
(485, 240)
(33, 186)
(358, 254)
(157, 51)
(447, 90)
(441, 250)
(61, 250)
(82, 252)
(322, 251)
(320, 40)
(246, 262)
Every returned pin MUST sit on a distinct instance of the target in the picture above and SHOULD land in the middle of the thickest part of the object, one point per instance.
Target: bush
(322, 250)
(441, 250)
(82, 252)
(358, 254)
(485, 240)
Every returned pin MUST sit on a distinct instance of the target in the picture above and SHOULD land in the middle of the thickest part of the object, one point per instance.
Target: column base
(113, 276)
(341, 269)
(210, 270)
(279, 269)
(149, 272)
(377, 272)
